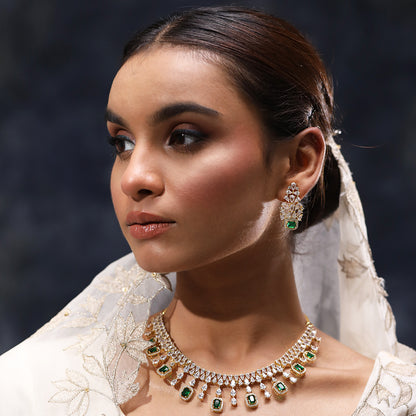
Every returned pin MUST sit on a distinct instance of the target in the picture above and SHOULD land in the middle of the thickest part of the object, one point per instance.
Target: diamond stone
(267, 395)
(233, 393)
(232, 384)
(262, 386)
(234, 401)
(201, 396)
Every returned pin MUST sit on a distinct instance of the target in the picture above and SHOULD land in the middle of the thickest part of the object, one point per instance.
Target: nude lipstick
(144, 225)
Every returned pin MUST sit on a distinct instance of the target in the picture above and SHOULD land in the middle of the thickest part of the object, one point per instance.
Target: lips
(144, 225)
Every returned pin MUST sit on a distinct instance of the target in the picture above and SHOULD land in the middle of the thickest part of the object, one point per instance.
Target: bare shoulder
(335, 356)
(340, 374)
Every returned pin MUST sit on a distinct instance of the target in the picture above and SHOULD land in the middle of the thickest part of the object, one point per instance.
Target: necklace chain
(176, 368)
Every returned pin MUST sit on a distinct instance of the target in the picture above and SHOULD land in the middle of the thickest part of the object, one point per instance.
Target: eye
(186, 138)
(121, 144)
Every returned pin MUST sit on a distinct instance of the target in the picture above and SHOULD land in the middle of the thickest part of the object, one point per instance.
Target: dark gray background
(57, 60)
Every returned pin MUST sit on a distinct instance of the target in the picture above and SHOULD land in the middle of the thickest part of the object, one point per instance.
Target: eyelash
(117, 141)
(198, 138)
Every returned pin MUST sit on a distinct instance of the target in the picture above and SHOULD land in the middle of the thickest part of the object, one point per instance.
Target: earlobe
(306, 161)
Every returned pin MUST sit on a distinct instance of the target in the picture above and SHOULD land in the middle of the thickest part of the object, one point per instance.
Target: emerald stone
(217, 405)
(186, 393)
(292, 225)
(164, 370)
(298, 369)
(153, 350)
(310, 355)
(251, 400)
(280, 388)
(152, 340)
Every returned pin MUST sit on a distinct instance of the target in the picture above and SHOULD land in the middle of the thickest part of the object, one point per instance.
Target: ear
(306, 159)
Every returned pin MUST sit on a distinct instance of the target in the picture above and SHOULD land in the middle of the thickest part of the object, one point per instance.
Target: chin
(155, 263)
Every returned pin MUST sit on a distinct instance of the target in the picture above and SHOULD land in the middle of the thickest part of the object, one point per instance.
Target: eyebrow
(175, 109)
(166, 113)
(114, 118)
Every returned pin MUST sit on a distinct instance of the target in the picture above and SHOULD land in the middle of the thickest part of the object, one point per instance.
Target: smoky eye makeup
(121, 144)
(187, 138)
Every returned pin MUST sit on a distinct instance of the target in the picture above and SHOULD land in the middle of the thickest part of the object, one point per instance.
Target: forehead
(165, 73)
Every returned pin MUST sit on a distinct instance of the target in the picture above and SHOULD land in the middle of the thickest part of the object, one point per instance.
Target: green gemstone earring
(291, 209)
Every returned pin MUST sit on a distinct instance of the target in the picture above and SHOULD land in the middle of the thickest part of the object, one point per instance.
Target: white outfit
(84, 362)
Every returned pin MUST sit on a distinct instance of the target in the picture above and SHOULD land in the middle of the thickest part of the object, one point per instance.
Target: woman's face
(189, 183)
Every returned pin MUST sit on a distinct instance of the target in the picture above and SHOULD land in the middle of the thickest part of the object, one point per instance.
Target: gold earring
(291, 210)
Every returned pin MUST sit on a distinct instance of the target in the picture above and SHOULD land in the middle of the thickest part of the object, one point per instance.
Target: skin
(235, 307)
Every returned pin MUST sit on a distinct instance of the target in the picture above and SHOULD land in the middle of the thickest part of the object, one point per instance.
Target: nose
(142, 176)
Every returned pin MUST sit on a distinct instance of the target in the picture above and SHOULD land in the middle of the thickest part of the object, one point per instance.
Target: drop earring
(291, 209)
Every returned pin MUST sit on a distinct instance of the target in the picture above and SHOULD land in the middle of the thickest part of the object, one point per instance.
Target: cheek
(227, 179)
(115, 188)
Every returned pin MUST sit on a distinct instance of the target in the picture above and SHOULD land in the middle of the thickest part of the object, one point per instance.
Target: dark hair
(276, 68)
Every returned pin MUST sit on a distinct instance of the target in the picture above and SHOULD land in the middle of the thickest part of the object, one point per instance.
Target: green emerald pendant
(291, 225)
(251, 400)
(186, 393)
(309, 355)
(153, 350)
(217, 405)
(298, 369)
(164, 370)
(280, 389)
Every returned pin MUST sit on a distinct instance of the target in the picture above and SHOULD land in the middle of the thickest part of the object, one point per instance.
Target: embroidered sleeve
(391, 390)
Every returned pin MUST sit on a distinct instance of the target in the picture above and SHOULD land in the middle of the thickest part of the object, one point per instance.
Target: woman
(227, 184)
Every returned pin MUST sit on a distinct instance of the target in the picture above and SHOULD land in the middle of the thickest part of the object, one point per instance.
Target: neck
(236, 311)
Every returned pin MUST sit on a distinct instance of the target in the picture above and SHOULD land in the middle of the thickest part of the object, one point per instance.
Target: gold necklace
(176, 368)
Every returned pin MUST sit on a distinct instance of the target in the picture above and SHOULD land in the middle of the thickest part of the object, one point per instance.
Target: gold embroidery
(394, 388)
(124, 346)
